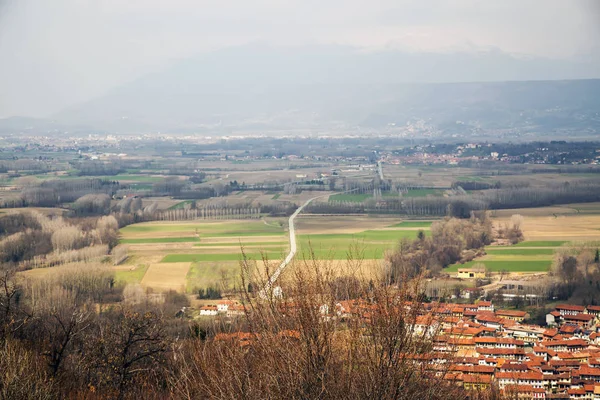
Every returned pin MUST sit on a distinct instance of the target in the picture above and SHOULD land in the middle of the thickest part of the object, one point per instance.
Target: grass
(204, 274)
(350, 197)
(541, 243)
(511, 266)
(359, 198)
(518, 251)
(368, 245)
(173, 258)
(160, 240)
(276, 196)
(181, 204)
(370, 235)
(241, 244)
(413, 224)
(358, 251)
(135, 275)
(254, 228)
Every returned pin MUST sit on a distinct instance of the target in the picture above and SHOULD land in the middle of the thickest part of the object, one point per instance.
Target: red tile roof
(570, 307)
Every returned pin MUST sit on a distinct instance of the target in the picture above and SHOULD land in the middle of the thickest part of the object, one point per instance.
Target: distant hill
(333, 87)
(39, 126)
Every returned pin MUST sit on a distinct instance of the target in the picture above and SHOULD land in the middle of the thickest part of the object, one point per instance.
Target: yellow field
(569, 227)
(166, 276)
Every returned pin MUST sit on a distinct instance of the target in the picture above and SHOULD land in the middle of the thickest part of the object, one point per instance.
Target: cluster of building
(477, 346)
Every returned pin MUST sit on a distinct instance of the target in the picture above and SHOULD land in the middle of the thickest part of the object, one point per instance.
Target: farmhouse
(469, 273)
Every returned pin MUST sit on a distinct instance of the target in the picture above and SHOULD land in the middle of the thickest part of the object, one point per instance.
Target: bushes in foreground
(61, 339)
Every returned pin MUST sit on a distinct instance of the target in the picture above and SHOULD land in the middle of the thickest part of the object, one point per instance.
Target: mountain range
(263, 88)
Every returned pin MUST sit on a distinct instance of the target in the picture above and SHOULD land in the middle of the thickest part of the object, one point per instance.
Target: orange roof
(568, 343)
(522, 376)
(579, 317)
(466, 331)
(589, 371)
(551, 332)
(570, 307)
(511, 313)
(495, 351)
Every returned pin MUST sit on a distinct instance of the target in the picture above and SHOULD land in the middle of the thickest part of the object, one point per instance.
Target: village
(478, 347)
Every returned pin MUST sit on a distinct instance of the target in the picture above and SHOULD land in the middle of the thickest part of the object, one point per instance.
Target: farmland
(210, 252)
(213, 250)
(545, 231)
(370, 244)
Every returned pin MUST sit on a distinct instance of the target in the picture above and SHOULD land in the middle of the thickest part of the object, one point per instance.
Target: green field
(242, 244)
(250, 228)
(134, 275)
(511, 266)
(276, 196)
(359, 198)
(518, 251)
(181, 204)
(370, 244)
(541, 243)
(205, 274)
(532, 256)
(237, 256)
(184, 239)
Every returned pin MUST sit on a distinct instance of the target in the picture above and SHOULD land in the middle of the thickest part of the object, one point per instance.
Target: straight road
(293, 246)
(380, 169)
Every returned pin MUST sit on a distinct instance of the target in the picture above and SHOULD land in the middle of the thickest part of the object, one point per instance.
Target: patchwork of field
(190, 255)
(545, 230)
(204, 253)
(525, 257)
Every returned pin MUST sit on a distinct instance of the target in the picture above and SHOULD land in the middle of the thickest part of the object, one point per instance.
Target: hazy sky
(54, 53)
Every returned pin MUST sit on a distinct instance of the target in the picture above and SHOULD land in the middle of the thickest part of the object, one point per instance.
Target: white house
(209, 310)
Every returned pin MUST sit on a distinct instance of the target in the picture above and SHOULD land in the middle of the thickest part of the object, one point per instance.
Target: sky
(57, 53)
